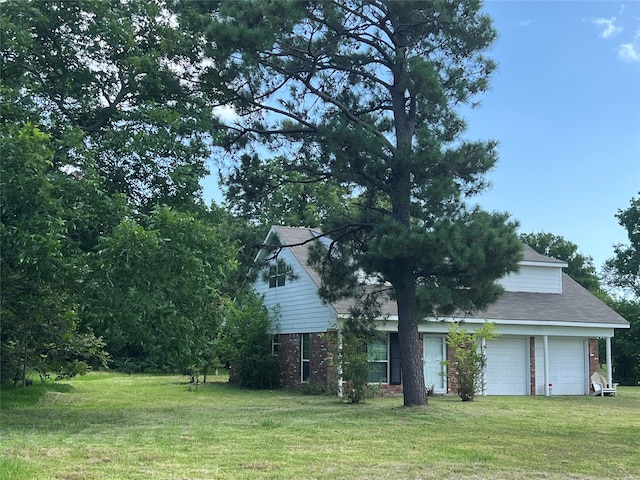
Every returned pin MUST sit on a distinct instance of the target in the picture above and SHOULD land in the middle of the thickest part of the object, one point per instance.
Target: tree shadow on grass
(17, 397)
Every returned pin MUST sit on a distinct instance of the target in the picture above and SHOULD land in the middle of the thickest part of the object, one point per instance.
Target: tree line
(346, 119)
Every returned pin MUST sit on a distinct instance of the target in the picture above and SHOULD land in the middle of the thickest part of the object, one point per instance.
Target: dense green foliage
(625, 345)
(104, 142)
(112, 82)
(623, 269)
(362, 96)
(245, 344)
(622, 273)
(355, 358)
(266, 192)
(40, 326)
(154, 291)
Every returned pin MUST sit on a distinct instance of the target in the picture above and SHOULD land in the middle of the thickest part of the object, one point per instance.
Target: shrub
(245, 345)
(469, 360)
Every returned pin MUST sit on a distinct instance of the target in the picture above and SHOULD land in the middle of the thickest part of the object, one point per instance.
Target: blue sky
(565, 107)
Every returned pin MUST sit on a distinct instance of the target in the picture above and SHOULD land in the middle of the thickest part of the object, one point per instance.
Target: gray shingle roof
(530, 255)
(574, 305)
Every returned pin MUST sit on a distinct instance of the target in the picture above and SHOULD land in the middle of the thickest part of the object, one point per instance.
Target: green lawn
(107, 426)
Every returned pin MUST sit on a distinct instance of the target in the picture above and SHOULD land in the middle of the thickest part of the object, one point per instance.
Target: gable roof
(574, 305)
(300, 239)
(530, 257)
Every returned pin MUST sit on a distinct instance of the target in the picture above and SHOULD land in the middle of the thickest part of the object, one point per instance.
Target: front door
(434, 354)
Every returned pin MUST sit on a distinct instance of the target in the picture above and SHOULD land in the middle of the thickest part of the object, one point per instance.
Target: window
(378, 357)
(277, 274)
(305, 351)
(395, 373)
(275, 344)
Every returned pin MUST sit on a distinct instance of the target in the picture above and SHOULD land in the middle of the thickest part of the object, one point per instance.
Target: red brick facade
(323, 362)
(532, 365)
(289, 354)
(452, 380)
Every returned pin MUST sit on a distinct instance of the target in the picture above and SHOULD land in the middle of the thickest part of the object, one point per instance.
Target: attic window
(277, 275)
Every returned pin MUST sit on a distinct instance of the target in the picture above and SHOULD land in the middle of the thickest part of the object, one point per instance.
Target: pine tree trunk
(415, 392)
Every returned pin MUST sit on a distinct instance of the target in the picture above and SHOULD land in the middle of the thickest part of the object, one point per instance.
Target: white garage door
(567, 366)
(507, 367)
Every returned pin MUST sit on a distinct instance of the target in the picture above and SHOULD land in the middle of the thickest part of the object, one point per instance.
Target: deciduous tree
(112, 83)
(622, 273)
(623, 269)
(155, 293)
(40, 328)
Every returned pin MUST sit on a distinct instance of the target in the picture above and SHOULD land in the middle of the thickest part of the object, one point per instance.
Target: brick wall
(289, 355)
(321, 363)
(319, 357)
(452, 379)
(532, 365)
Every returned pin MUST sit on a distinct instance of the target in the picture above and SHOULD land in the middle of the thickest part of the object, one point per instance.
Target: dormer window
(277, 275)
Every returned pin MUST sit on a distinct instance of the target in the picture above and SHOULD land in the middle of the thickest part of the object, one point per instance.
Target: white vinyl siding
(299, 308)
(534, 279)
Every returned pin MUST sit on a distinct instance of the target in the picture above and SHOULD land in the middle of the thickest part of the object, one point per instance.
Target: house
(548, 327)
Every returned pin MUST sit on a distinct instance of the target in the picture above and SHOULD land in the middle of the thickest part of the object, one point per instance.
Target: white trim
(609, 366)
(531, 263)
(430, 322)
(304, 360)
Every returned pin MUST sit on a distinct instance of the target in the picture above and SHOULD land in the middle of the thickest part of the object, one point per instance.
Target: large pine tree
(363, 94)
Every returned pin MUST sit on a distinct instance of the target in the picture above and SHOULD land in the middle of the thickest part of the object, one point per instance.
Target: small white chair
(601, 385)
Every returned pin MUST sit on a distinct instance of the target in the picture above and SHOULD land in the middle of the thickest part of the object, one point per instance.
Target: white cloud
(524, 23)
(608, 27)
(629, 52)
(226, 114)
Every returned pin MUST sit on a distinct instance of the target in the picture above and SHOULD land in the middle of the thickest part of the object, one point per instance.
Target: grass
(109, 426)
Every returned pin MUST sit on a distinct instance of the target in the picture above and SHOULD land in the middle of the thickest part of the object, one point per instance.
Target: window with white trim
(277, 275)
(305, 356)
(378, 353)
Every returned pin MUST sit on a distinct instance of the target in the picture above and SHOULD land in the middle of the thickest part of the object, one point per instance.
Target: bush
(469, 361)
(245, 344)
(355, 366)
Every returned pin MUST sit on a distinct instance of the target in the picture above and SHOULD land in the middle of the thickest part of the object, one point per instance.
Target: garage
(568, 366)
(507, 367)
